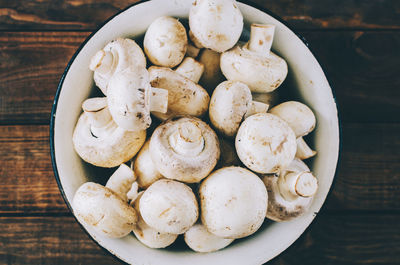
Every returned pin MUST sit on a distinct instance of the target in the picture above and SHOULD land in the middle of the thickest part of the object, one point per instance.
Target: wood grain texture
(31, 64)
(305, 14)
(360, 239)
(364, 77)
(368, 177)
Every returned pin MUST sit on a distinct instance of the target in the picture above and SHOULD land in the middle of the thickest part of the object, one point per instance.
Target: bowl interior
(305, 74)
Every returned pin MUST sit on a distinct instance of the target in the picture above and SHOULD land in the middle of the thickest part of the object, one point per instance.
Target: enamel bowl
(305, 74)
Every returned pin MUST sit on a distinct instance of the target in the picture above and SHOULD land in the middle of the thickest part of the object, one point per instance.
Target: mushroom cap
(176, 161)
(261, 73)
(228, 105)
(184, 96)
(144, 167)
(126, 53)
(216, 25)
(128, 99)
(165, 42)
(102, 209)
(147, 235)
(200, 240)
(298, 115)
(110, 149)
(265, 143)
(233, 202)
(169, 206)
(280, 209)
(121, 181)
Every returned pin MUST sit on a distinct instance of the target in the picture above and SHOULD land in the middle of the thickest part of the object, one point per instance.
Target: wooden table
(356, 41)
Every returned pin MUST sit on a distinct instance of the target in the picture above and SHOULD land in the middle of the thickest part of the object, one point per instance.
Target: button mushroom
(230, 102)
(216, 25)
(185, 97)
(254, 64)
(165, 42)
(290, 195)
(116, 56)
(103, 210)
(121, 181)
(200, 240)
(147, 235)
(265, 143)
(233, 202)
(131, 98)
(301, 119)
(185, 149)
(145, 170)
(212, 75)
(169, 206)
(99, 141)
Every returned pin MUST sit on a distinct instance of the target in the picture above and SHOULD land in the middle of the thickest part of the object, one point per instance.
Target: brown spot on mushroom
(165, 211)
(260, 42)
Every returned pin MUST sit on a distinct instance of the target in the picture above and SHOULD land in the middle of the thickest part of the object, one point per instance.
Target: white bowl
(305, 74)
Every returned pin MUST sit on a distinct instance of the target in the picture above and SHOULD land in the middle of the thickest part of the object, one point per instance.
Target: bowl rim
(67, 68)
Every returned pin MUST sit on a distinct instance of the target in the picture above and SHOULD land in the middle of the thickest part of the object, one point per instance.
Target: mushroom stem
(261, 38)
(102, 62)
(158, 99)
(303, 150)
(295, 184)
(187, 140)
(256, 107)
(191, 69)
(121, 181)
(97, 111)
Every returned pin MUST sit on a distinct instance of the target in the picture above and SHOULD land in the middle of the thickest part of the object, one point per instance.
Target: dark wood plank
(48, 240)
(28, 184)
(368, 177)
(31, 64)
(331, 239)
(364, 76)
(362, 68)
(346, 239)
(310, 14)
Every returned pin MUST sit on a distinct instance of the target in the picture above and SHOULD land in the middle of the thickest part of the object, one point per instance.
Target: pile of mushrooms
(201, 147)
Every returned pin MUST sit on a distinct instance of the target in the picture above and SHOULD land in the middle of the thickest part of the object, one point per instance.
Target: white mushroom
(165, 42)
(290, 194)
(212, 75)
(200, 240)
(254, 64)
(99, 141)
(185, 97)
(301, 119)
(121, 181)
(131, 98)
(303, 150)
(185, 149)
(145, 170)
(102, 209)
(147, 235)
(216, 24)
(230, 102)
(265, 143)
(233, 202)
(169, 206)
(116, 56)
